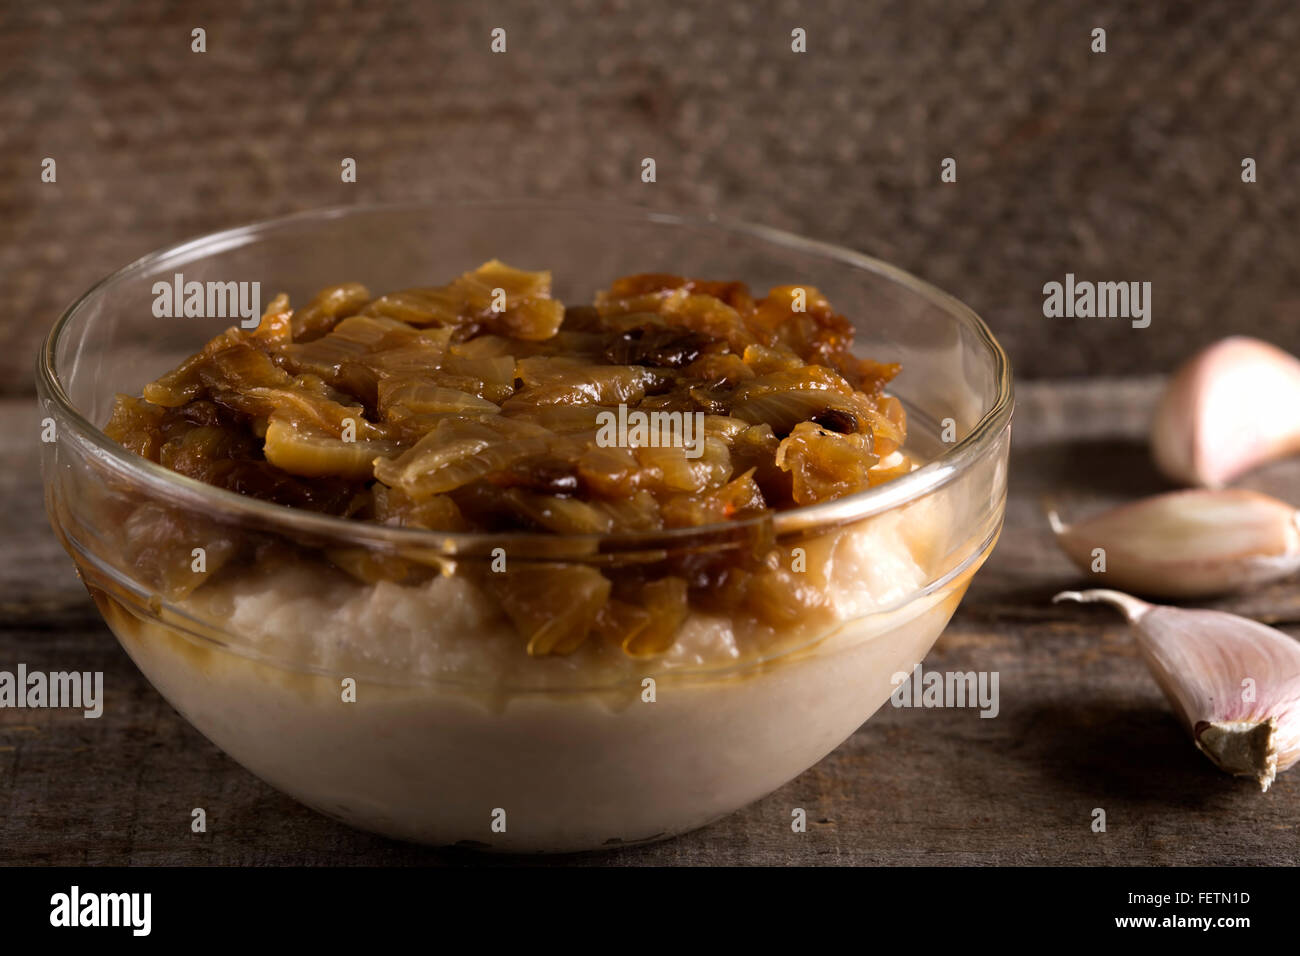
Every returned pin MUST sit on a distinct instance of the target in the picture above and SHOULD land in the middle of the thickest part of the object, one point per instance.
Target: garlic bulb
(1230, 408)
(1234, 683)
(1187, 543)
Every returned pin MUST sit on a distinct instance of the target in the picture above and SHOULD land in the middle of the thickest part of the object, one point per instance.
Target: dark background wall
(1117, 166)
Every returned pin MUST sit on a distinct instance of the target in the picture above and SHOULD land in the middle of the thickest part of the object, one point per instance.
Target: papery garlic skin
(1233, 682)
(1230, 408)
(1187, 544)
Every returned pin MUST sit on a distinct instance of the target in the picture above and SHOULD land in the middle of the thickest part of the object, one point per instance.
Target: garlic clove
(1187, 543)
(1233, 682)
(1231, 407)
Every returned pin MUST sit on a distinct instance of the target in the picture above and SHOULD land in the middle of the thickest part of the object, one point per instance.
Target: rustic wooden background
(1117, 166)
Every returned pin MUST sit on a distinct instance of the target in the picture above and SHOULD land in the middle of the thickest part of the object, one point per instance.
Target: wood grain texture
(1082, 725)
(1117, 166)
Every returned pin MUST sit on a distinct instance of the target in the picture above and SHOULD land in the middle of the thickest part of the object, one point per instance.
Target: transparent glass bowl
(412, 710)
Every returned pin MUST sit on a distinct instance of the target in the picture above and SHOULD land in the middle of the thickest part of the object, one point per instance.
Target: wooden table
(1082, 725)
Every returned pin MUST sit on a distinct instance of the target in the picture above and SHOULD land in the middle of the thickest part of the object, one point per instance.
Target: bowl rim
(218, 501)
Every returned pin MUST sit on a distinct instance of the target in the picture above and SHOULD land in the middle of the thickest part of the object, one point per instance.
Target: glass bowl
(406, 705)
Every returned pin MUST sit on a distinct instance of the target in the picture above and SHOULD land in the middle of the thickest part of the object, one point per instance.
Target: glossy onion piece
(325, 309)
(559, 514)
(824, 464)
(665, 602)
(392, 506)
(424, 397)
(550, 381)
(458, 451)
(160, 541)
(469, 303)
(530, 314)
(703, 314)
(553, 606)
(275, 328)
(738, 498)
(190, 380)
(619, 623)
(342, 358)
(783, 598)
(136, 424)
(314, 455)
(495, 375)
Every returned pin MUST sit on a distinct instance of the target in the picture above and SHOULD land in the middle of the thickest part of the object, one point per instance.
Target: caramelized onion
(484, 405)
